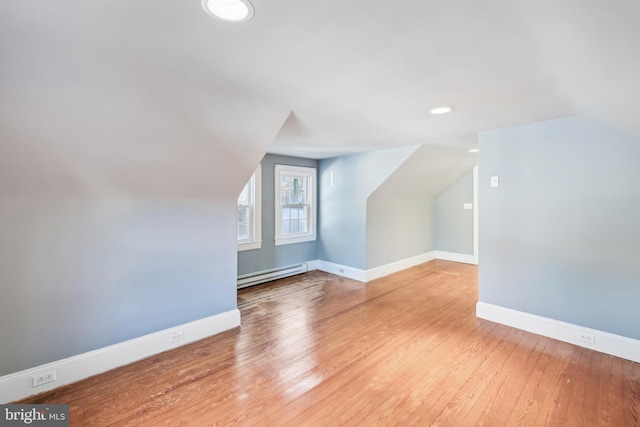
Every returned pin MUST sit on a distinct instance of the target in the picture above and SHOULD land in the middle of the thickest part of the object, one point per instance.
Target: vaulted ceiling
(322, 78)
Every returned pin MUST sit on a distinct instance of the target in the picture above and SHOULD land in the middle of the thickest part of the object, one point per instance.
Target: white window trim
(298, 238)
(256, 243)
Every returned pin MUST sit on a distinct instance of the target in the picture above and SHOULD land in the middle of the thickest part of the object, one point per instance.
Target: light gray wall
(453, 223)
(270, 255)
(342, 217)
(559, 237)
(398, 228)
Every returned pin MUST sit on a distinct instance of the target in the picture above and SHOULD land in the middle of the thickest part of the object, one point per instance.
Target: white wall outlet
(176, 336)
(587, 338)
(495, 181)
(468, 206)
(47, 377)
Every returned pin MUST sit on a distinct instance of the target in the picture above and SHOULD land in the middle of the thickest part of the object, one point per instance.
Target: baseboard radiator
(272, 274)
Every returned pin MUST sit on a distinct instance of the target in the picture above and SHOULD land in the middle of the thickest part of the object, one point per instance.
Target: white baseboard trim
(312, 265)
(373, 273)
(604, 342)
(455, 257)
(394, 267)
(20, 384)
(342, 270)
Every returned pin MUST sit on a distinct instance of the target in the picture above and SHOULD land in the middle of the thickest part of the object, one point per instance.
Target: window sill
(247, 246)
(295, 239)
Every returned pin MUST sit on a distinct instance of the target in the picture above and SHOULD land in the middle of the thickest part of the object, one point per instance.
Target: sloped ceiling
(350, 75)
(430, 170)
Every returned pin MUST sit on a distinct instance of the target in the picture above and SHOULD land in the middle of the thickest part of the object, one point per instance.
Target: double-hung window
(295, 194)
(249, 213)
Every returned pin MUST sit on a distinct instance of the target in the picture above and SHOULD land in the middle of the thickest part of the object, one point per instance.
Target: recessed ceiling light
(229, 10)
(474, 150)
(441, 110)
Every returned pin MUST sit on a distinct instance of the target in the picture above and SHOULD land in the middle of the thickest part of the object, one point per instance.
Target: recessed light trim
(474, 150)
(441, 110)
(229, 10)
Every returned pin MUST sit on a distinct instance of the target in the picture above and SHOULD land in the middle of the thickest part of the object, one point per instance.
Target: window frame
(255, 211)
(312, 188)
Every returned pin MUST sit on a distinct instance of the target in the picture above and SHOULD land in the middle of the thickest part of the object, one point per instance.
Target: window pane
(243, 232)
(292, 190)
(243, 214)
(245, 196)
(285, 183)
(286, 227)
(297, 183)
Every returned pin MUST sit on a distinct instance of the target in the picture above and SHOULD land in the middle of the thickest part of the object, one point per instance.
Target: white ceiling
(354, 75)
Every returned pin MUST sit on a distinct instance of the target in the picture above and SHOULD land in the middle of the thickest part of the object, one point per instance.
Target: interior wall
(559, 236)
(269, 255)
(345, 184)
(453, 223)
(401, 217)
(398, 228)
(84, 274)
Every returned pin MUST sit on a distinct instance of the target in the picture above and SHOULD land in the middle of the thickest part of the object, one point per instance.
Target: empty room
(250, 212)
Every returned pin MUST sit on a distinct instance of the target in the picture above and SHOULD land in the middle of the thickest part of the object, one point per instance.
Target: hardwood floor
(320, 350)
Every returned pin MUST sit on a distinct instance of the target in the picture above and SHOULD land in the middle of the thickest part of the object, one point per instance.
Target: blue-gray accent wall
(453, 223)
(560, 236)
(269, 255)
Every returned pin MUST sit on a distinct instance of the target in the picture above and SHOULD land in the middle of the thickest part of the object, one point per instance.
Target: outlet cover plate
(45, 378)
(176, 336)
(586, 337)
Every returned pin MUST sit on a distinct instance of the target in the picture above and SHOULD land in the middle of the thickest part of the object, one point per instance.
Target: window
(249, 213)
(295, 204)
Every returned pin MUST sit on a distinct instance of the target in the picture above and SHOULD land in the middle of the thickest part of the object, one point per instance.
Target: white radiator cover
(272, 274)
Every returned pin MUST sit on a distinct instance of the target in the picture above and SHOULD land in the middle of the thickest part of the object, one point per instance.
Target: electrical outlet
(587, 338)
(341, 270)
(176, 336)
(49, 377)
